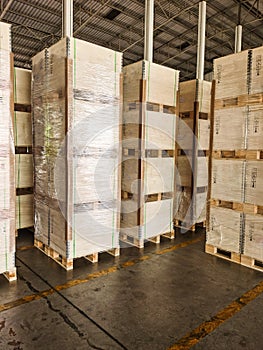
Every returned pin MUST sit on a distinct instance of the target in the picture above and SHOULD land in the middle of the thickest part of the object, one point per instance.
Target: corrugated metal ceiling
(37, 24)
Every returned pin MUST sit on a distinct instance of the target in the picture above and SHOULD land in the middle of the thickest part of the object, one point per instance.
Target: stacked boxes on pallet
(149, 124)
(76, 92)
(7, 157)
(193, 130)
(23, 148)
(236, 207)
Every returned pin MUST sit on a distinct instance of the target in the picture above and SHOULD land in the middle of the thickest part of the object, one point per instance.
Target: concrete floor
(150, 299)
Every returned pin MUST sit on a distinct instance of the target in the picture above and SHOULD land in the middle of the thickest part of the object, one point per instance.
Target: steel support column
(201, 41)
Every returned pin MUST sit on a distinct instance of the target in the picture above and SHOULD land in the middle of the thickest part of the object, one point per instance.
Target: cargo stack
(193, 131)
(7, 157)
(23, 149)
(235, 228)
(77, 92)
(149, 124)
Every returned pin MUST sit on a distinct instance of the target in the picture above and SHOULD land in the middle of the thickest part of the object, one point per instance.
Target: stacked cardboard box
(236, 205)
(23, 148)
(77, 93)
(7, 157)
(192, 139)
(149, 124)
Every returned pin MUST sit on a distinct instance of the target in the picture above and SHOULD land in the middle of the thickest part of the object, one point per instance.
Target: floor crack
(65, 318)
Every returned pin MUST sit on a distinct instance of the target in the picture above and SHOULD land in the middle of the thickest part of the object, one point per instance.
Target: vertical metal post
(67, 20)
(238, 38)
(148, 30)
(238, 31)
(201, 41)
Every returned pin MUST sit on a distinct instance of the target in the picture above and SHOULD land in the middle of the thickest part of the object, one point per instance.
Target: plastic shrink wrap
(76, 121)
(7, 158)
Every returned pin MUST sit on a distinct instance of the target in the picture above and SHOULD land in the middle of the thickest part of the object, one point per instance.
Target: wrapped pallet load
(76, 148)
(235, 209)
(23, 148)
(148, 169)
(192, 137)
(7, 157)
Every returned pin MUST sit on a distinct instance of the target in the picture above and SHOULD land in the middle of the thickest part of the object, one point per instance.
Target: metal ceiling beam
(88, 20)
(211, 37)
(192, 46)
(8, 5)
(227, 14)
(37, 20)
(41, 8)
(249, 8)
(163, 24)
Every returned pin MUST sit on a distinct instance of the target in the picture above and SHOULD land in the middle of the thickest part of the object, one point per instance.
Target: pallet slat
(223, 254)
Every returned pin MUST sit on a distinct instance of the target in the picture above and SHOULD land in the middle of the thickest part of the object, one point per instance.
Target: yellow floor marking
(72, 283)
(193, 337)
(178, 246)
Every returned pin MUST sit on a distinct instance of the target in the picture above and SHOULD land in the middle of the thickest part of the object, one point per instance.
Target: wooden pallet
(94, 258)
(184, 225)
(201, 189)
(19, 107)
(154, 197)
(154, 107)
(67, 264)
(139, 243)
(252, 263)
(239, 101)
(191, 114)
(200, 153)
(246, 208)
(238, 154)
(11, 275)
(149, 153)
(223, 254)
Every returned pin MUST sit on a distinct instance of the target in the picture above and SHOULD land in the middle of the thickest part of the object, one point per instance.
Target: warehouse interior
(131, 155)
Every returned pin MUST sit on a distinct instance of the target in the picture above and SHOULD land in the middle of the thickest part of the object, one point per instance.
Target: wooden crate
(192, 138)
(185, 171)
(231, 75)
(184, 137)
(149, 120)
(23, 148)
(195, 90)
(239, 128)
(158, 172)
(24, 170)
(253, 237)
(84, 96)
(236, 152)
(188, 212)
(155, 76)
(7, 159)
(23, 129)
(227, 179)
(224, 229)
(254, 182)
(5, 37)
(257, 71)
(24, 211)
(22, 86)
